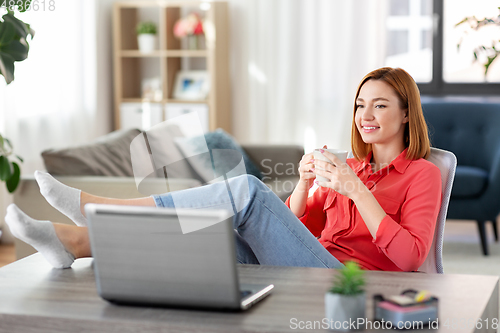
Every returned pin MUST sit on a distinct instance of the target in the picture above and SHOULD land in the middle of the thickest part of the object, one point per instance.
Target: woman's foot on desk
(39, 234)
(62, 197)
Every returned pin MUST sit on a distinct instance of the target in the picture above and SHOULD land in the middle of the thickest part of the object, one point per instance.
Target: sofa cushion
(107, 156)
(469, 182)
(165, 153)
(227, 154)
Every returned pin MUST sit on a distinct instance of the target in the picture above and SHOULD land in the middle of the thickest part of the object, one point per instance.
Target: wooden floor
(7, 254)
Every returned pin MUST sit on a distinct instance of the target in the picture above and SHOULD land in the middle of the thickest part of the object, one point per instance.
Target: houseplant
(146, 36)
(13, 47)
(10, 172)
(346, 299)
(486, 54)
(13, 40)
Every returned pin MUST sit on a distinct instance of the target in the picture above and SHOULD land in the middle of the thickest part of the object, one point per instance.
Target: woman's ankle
(74, 239)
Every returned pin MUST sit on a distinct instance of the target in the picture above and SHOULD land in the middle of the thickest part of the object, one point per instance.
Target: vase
(146, 42)
(193, 42)
(345, 313)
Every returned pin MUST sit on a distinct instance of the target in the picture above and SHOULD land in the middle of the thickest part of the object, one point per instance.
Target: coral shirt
(409, 191)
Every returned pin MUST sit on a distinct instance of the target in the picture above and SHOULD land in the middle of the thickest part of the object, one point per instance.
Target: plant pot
(146, 43)
(344, 311)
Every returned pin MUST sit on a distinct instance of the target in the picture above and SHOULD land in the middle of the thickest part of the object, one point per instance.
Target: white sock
(63, 198)
(39, 234)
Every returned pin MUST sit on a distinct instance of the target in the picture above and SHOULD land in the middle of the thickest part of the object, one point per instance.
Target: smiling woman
(378, 209)
(396, 93)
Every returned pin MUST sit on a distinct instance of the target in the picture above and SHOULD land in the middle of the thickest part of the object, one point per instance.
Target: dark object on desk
(404, 311)
(471, 131)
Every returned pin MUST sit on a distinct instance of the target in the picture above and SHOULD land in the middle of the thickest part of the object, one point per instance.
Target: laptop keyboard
(245, 293)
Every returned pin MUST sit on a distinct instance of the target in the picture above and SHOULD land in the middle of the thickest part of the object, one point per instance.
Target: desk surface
(36, 298)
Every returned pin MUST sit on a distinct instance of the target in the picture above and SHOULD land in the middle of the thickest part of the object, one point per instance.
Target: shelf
(140, 100)
(164, 101)
(171, 100)
(139, 54)
(186, 53)
(134, 71)
(163, 53)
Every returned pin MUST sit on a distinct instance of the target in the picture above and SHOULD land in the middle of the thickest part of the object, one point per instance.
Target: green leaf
(26, 4)
(349, 281)
(13, 181)
(5, 171)
(17, 50)
(461, 22)
(7, 33)
(7, 67)
(20, 158)
(20, 27)
(1, 141)
(32, 32)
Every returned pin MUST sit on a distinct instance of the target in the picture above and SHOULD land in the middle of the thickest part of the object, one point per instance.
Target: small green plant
(350, 281)
(10, 172)
(146, 28)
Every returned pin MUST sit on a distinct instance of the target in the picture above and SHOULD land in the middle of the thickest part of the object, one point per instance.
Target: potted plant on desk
(345, 302)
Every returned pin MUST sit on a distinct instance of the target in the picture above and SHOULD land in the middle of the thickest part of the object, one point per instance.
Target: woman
(378, 209)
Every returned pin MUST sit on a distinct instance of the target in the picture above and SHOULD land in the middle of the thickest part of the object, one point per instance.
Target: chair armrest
(29, 199)
(276, 160)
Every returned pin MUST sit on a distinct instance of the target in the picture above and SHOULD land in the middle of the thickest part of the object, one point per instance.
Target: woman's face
(379, 116)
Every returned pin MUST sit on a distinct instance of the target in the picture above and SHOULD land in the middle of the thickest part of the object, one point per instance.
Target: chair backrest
(446, 162)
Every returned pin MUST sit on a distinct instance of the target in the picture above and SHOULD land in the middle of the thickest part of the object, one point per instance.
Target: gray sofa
(104, 168)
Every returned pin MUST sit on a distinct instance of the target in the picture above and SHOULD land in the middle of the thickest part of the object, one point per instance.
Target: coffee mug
(341, 154)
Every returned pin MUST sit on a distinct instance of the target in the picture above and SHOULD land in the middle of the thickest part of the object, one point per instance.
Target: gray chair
(471, 131)
(446, 162)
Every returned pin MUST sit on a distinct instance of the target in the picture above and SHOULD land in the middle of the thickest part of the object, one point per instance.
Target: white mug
(341, 154)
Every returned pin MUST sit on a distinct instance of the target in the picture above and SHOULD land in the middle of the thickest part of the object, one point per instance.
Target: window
(409, 28)
(422, 37)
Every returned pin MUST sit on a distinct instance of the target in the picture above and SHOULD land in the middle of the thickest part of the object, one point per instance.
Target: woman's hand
(306, 167)
(298, 199)
(342, 178)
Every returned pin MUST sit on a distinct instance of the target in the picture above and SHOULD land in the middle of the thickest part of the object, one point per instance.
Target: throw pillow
(216, 154)
(108, 156)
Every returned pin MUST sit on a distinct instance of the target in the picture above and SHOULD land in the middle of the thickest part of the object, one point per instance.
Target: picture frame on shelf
(191, 85)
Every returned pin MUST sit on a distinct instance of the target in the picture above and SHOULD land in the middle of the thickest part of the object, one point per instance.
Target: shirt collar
(400, 163)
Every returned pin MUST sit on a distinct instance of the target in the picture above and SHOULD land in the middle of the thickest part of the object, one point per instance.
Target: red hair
(416, 137)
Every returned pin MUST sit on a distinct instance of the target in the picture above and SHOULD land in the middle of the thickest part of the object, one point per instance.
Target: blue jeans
(267, 232)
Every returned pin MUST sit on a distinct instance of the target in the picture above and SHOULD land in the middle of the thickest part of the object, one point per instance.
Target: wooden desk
(36, 298)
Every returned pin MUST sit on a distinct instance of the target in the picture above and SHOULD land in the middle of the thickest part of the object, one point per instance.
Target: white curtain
(52, 101)
(57, 98)
(296, 66)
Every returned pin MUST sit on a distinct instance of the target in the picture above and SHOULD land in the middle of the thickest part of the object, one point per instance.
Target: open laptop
(141, 256)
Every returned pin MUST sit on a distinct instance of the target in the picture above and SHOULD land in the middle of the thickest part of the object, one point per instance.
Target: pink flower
(190, 25)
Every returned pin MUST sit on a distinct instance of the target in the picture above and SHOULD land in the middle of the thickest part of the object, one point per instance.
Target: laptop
(142, 257)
